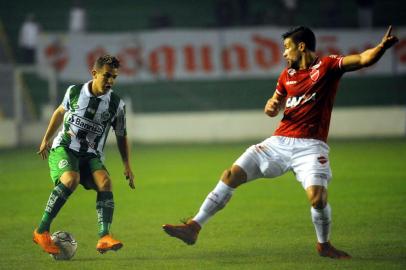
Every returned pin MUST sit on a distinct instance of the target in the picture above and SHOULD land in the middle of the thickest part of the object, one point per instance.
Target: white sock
(215, 201)
(322, 219)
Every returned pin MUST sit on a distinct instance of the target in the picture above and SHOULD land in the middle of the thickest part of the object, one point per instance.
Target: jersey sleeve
(119, 121)
(335, 63)
(280, 86)
(65, 101)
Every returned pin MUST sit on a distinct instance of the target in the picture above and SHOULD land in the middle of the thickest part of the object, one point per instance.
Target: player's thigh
(311, 164)
(88, 165)
(262, 160)
(102, 180)
(62, 163)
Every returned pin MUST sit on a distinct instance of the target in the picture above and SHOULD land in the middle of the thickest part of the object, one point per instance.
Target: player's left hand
(44, 149)
(388, 39)
(129, 175)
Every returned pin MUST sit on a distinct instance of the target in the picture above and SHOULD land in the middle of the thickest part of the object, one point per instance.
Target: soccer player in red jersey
(305, 92)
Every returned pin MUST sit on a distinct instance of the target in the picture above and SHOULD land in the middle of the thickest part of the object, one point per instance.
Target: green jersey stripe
(74, 96)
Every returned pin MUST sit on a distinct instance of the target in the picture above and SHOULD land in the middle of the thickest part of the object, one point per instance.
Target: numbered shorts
(306, 158)
(62, 160)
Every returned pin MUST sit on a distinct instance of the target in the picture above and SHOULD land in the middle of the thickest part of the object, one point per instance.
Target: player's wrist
(126, 164)
(382, 46)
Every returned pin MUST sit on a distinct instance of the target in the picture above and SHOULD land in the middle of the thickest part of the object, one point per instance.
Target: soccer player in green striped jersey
(76, 157)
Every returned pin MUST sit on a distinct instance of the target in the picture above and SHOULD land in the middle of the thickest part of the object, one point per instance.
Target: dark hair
(302, 34)
(109, 60)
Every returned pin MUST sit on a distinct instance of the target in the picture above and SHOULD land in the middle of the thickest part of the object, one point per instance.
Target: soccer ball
(66, 243)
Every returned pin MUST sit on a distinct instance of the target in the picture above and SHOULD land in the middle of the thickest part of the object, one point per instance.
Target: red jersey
(310, 96)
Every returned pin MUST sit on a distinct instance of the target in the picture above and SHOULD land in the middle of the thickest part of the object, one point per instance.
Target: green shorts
(62, 160)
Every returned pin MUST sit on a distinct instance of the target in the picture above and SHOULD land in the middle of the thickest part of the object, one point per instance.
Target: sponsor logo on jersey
(85, 124)
(105, 116)
(63, 163)
(291, 82)
(296, 101)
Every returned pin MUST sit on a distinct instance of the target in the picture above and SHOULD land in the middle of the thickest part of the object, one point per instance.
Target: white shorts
(307, 158)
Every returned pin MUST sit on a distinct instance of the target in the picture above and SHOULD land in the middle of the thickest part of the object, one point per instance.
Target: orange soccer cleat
(186, 232)
(45, 242)
(107, 243)
(327, 250)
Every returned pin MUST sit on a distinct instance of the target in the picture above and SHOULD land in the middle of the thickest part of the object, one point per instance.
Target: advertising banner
(240, 53)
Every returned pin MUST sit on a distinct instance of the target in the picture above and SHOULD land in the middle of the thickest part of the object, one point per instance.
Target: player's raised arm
(274, 105)
(370, 56)
(54, 124)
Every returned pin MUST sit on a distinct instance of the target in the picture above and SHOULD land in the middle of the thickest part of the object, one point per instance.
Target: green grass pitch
(266, 225)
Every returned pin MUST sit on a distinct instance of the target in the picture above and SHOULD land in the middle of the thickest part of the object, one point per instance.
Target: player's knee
(70, 179)
(234, 177)
(317, 197)
(104, 184)
(318, 201)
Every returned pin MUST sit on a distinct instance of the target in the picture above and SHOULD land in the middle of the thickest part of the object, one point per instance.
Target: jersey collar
(89, 94)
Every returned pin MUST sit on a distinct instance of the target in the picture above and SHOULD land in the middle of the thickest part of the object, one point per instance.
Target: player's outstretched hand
(44, 149)
(129, 175)
(388, 39)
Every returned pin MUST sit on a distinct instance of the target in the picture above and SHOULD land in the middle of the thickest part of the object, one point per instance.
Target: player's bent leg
(105, 210)
(214, 202)
(57, 198)
(321, 217)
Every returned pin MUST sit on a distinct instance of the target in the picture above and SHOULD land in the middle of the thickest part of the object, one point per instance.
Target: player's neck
(93, 91)
(307, 60)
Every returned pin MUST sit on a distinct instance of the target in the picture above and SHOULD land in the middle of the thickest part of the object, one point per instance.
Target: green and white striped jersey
(88, 119)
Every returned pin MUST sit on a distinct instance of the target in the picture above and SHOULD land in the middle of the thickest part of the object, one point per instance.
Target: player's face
(104, 78)
(291, 53)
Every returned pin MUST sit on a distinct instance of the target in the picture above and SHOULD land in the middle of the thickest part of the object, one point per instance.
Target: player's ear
(302, 46)
(94, 72)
